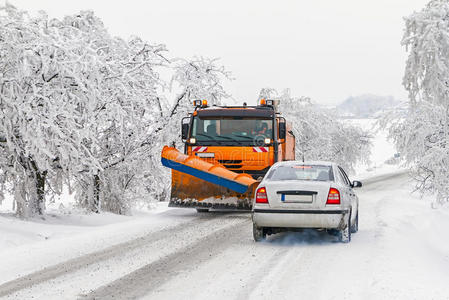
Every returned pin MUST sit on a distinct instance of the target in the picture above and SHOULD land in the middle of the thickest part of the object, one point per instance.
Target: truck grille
(225, 161)
(233, 166)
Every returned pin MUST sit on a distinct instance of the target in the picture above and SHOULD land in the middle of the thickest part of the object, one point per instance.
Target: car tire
(355, 226)
(259, 233)
(344, 235)
(333, 232)
(202, 210)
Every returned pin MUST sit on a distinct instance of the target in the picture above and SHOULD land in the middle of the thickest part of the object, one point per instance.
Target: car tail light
(261, 195)
(333, 197)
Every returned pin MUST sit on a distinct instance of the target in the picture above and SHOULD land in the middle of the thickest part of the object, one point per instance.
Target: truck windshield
(232, 129)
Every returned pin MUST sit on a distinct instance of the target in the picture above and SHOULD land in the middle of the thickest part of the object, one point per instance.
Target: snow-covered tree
(422, 135)
(426, 39)
(42, 107)
(123, 116)
(422, 138)
(320, 134)
(77, 106)
(198, 78)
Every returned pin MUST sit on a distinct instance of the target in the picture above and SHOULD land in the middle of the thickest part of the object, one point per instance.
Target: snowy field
(400, 252)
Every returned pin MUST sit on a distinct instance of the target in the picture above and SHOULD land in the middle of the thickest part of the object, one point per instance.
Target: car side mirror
(356, 184)
(185, 131)
(282, 131)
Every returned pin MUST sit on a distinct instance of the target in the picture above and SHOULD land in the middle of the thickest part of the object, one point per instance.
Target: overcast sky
(325, 49)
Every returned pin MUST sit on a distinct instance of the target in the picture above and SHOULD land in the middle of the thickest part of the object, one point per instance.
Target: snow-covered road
(401, 251)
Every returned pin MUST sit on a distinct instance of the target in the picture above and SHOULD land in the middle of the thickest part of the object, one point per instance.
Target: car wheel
(259, 233)
(345, 234)
(202, 210)
(355, 226)
(333, 232)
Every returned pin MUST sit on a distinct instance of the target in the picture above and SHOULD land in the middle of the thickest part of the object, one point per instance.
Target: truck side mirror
(185, 131)
(282, 131)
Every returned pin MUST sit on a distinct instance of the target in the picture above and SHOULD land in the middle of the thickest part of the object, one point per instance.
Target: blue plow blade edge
(230, 184)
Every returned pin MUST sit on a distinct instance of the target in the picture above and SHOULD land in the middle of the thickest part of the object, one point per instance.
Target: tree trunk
(40, 191)
(39, 180)
(96, 203)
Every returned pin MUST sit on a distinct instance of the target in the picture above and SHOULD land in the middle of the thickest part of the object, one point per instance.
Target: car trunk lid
(296, 194)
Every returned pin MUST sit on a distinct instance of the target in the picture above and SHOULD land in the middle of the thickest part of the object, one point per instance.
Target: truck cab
(243, 139)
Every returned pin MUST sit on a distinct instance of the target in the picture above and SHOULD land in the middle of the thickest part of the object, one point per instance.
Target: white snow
(30, 245)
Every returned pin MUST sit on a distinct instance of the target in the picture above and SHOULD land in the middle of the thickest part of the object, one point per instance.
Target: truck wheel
(355, 226)
(344, 235)
(259, 233)
(202, 210)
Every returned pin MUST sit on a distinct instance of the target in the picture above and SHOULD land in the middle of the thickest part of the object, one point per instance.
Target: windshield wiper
(234, 140)
(226, 137)
(206, 135)
(222, 136)
(209, 136)
(243, 136)
(230, 139)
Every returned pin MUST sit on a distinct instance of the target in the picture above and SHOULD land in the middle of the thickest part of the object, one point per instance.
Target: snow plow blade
(200, 184)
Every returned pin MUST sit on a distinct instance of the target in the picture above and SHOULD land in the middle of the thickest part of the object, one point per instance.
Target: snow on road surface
(401, 251)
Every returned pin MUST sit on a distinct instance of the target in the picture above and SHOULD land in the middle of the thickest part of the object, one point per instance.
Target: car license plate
(297, 198)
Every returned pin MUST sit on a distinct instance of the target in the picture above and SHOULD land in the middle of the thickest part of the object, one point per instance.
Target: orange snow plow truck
(227, 151)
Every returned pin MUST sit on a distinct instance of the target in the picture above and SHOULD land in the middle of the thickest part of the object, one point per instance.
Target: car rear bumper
(329, 219)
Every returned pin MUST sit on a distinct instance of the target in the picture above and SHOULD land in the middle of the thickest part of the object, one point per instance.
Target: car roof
(300, 162)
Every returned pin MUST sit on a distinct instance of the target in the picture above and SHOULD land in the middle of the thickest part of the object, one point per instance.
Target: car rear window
(302, 172)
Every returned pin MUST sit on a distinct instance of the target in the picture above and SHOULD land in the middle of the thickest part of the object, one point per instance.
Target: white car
(295, 195)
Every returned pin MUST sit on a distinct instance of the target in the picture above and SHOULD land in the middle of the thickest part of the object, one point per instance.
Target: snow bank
(30, 245)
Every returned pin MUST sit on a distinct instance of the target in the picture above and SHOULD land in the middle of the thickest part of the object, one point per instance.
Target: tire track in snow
(384, 182)
(85, 261)
(142, 281)
(282, 258)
